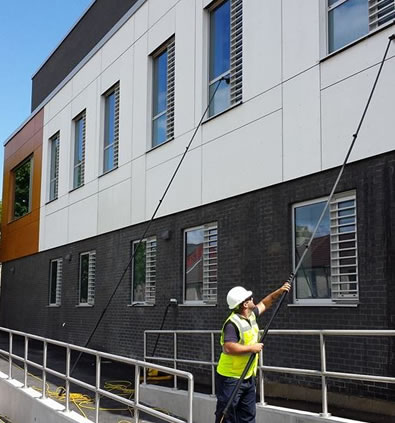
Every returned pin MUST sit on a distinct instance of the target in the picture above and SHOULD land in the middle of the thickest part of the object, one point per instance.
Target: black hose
(292, 274)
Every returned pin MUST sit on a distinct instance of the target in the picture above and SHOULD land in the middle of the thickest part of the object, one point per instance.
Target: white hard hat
(236, 296)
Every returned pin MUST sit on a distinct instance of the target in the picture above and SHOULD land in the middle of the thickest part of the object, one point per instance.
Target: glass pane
(220, 40)
(109, 158)
(54, 152)
(53, 276)
(84, 273)
(346, 220)
(109, 120)
(221, 100)
(346, 212)
(22, 177)
(160, 84)
(194, 264)
(77, 176)
(79, 127)
(350, 228)
(139, 272)
(347, 22)
(159, 130)
(313, 277)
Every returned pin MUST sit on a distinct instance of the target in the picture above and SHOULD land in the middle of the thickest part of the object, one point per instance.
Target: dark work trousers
(243, 408)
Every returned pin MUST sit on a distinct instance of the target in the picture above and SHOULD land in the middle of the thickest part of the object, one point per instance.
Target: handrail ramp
(38, 407)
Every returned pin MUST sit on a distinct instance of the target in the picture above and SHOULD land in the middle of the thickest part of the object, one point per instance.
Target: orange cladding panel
(20, 237)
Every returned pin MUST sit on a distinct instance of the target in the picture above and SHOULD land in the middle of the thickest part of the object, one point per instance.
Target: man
(239, 339)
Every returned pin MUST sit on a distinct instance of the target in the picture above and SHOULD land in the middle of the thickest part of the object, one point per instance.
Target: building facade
(284, 84)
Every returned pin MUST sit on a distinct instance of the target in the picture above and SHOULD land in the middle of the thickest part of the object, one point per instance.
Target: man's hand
(285, 287)
(256, 348)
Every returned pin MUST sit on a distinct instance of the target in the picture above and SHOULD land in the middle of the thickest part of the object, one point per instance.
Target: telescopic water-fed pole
(292, 274)
(225, 79)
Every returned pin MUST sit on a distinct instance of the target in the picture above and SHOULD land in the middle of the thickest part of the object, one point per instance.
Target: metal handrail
(135, 404)
(322, 372)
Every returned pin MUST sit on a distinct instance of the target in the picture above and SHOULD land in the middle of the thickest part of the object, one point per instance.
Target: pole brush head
(61, 391)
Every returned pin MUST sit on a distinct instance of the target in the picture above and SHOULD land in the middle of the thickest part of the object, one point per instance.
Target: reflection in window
(163, 94)
(144, 271)
(111, 129)
(225, 55)
(54, 167)
(349, 20)
(87, 278)
(22, 188)
(313, 278)
(200, 264)
(330, 269)
(79, 150)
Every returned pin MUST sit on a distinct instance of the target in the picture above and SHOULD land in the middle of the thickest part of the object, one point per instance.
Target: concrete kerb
(204, 408)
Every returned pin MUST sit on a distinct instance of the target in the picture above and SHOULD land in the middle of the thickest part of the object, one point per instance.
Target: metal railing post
(97, 395)
(324, 386)
(25, 369)
(45, 354)
(212, 365)
(10, 340)
(145, 358)
(190, 400)
(261, 381)
(68, 359)
(175, 358)
(137, 392)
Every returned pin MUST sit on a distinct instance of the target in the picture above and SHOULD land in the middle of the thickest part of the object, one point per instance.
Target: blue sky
(29, 31)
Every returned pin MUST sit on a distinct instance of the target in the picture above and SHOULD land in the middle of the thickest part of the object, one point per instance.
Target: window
(55, 281)
(144, 271)
(22, 177)
(225, 57)
(111, 129)
(163, 94)
(329, 272)
(200, 264)
(54, 167)
(349, 20)
(79, 150)
(87, 278)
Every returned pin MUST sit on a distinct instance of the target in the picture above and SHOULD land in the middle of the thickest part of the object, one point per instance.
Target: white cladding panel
(297, 117)
(302, 137)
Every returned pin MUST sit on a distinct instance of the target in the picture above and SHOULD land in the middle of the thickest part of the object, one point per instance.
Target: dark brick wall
(255, 239)
(93, 26)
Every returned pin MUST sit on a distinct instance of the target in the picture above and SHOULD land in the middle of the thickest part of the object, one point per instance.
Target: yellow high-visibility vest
(233, 365)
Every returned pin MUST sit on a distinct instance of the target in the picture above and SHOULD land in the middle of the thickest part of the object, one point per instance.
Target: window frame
(55, 139)
(235, 71)
(169, 48)
(14, 170)
(116, 91)
(91, 284)
(58, 282)
(345, 301)
(80, 117)
(152, 277)
(373, 23)
(202, 302)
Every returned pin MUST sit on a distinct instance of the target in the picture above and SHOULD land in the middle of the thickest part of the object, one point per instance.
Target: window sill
(221, 113)
(51, 201)
(196, 304)
(160, 145)
(141, 304)
(325, 305)
(15, 219)
(107, 172)
(53, 305)
(84, 305)
(75, 189)
(357, 41)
